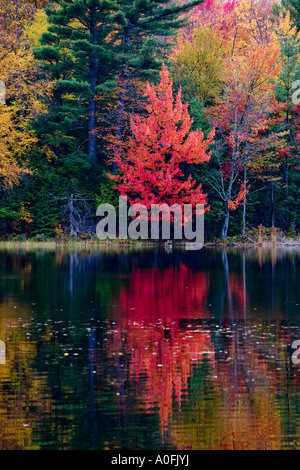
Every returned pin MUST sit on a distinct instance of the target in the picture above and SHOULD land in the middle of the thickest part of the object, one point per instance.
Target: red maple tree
(149, 170)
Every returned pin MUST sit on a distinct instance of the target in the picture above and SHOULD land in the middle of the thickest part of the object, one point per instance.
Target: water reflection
(150, 294)
(149, 350)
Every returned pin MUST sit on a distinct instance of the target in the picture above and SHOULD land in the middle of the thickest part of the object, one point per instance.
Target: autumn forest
(165, 102)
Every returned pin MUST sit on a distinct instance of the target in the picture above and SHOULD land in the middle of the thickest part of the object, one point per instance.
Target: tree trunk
(92, 122)
(272, 205)
(286, 193)
(244, 288)
(121, 111)
(71, 215)
(225, 224)
(122, 96)
(245, 202)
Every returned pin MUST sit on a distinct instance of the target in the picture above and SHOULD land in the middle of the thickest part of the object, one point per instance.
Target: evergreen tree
(77, 50)
(145, 37)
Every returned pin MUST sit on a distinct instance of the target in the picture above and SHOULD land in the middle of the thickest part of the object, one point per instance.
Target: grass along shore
(117, 244)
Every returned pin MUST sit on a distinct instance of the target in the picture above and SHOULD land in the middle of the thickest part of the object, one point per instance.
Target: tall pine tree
(78, 53)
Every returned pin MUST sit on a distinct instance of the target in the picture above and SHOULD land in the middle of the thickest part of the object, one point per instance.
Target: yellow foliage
(199, 63)
(12, 143)
(284, 27)
(22, 75)
(25, 216)
(26, 85)
(222, 41)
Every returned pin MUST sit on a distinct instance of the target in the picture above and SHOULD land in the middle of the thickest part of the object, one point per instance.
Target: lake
(155, 349)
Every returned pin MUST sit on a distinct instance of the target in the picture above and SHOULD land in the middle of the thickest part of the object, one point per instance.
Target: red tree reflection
(167, 294)
(160, 360)
(153, 315)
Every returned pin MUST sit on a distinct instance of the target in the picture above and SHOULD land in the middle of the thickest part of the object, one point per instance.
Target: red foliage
(151, 295)
(150, 172)
(149, 314)
(212, 5)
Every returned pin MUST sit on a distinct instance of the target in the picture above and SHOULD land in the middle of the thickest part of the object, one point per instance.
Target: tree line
(184, 101)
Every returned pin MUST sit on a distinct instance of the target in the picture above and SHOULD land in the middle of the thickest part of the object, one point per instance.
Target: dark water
(149, 349)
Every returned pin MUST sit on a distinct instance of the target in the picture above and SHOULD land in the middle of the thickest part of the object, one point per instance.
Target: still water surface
(149, 349)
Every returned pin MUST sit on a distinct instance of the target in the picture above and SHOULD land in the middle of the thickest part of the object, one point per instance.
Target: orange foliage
(239, 200)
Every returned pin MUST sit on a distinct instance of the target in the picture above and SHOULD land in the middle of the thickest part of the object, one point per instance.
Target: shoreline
(264, 244)
(138, 244)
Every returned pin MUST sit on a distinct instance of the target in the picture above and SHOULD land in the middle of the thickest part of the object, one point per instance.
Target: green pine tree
(290, 60)
(78, 55)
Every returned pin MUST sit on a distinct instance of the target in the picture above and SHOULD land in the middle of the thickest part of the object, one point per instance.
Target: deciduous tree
(241, 117)
(150, 170)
